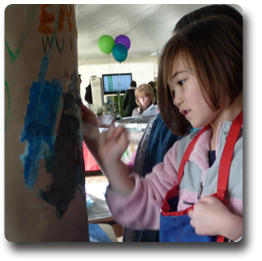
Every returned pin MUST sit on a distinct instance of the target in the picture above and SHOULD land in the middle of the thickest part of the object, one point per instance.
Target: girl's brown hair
(212, 48)
(145, 89)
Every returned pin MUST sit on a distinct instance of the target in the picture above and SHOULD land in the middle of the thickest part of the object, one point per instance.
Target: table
(99, 212)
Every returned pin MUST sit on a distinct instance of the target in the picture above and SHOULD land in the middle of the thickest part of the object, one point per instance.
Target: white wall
(143, 69)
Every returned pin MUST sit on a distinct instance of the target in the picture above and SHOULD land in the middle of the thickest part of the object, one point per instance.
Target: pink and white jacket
(140, 209)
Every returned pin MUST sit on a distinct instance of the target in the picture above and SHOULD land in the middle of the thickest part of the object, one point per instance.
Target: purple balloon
(123, 39)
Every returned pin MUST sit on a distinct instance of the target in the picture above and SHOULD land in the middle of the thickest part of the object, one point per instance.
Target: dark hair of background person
(133, 84)
(207, 11)
(153, 84)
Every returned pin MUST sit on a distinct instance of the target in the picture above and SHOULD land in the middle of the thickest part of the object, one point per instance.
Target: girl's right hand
(108, 146)
(113, 144)
(89, 123)
(91, 134)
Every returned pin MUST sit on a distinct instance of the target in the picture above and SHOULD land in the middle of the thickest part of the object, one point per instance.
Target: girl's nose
(178, 99)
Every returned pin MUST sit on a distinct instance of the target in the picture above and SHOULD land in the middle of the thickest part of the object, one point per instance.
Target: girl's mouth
(185, 112)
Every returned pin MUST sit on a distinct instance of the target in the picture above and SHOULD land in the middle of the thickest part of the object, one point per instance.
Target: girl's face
(144, 100)
(188, 96)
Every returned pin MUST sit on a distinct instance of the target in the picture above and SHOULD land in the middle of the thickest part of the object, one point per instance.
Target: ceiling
(148, 26)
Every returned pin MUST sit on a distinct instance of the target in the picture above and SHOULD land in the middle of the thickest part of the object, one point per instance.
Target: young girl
(199, 84)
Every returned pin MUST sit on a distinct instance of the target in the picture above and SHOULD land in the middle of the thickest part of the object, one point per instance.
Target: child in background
(200, 84)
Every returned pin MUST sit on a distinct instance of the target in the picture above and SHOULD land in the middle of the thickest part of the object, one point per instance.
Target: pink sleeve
(141, 208)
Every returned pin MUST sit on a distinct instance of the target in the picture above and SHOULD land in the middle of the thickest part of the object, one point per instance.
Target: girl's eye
(181, 83)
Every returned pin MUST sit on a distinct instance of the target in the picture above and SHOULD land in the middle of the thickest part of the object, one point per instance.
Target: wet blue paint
(40, 122)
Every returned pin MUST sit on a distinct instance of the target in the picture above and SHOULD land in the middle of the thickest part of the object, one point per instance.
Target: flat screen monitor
(116, 82)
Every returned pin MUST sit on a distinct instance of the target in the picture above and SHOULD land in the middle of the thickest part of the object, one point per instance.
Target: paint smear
(8, 104)
(65, 163)
(39, 123)
(25, 29)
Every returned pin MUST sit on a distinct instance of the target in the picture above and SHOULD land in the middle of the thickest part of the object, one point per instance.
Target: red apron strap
(227, 154)
(187, 153)
(226, 158)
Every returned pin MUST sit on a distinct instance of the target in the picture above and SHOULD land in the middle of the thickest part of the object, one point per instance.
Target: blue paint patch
(39, 124)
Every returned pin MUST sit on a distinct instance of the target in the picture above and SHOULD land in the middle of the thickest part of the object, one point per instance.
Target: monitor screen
(116, 82)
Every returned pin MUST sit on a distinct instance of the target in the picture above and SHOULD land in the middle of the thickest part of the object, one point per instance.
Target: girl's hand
(211, 217)
(206, 215)
(108, 145)
(107, 149)
(113, 144)
(90, 125)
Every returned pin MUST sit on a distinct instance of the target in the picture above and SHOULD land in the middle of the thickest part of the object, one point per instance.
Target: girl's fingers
(118, 132)
(113, 132)
(84, 110)
(87, 114)
(108, 135)
(110, 131)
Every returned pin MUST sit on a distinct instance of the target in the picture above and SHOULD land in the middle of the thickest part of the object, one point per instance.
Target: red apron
(175, 225)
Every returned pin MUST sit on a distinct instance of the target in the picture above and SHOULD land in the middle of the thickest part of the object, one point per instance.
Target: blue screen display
(116, 82)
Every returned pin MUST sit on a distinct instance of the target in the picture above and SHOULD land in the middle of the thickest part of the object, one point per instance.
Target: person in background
(153, 84)
(88, 95)
(189, 94)
(144, 98)
(129, 99)
(79, 77)
(79, 80)
(207, 11)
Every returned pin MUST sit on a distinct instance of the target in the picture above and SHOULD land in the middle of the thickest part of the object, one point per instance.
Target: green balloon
(106, 44)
